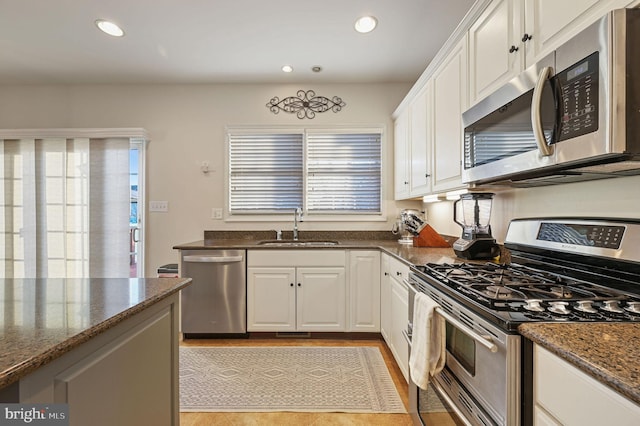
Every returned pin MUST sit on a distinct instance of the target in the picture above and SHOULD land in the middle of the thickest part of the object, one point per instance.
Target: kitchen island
(106, 347)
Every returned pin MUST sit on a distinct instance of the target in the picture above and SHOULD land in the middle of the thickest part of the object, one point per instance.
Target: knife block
(428, 237)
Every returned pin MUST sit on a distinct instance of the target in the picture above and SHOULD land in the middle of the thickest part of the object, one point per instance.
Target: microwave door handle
(536, 119)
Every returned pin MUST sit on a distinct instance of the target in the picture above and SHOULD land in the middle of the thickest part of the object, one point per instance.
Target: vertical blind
(322, 172)
(65, 207)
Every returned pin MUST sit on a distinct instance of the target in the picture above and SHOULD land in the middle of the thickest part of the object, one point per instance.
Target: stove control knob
(559, 308)
(585, 306)
(533, 305)
(633, 307)
(612, 306)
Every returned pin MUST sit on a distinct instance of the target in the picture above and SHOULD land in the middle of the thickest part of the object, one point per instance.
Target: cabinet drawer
(286, 257)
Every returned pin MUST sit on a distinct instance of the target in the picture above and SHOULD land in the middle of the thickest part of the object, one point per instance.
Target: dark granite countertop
(347, 240)
(608, 352)
(45, 318)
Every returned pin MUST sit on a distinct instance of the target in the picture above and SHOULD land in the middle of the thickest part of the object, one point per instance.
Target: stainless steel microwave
(574, 115)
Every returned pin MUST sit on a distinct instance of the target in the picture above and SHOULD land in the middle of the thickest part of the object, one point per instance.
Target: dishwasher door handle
(212, 259)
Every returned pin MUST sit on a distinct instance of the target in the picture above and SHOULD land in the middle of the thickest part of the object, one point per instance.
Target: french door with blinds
(324, 172)
(70, 203)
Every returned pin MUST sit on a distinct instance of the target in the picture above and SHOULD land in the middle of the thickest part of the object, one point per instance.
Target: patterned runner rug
(309, 379)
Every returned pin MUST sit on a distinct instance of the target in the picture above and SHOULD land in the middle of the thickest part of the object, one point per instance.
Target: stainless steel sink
(297, 243)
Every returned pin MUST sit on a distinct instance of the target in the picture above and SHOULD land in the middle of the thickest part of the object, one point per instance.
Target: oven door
(429, 407)
(481, 379)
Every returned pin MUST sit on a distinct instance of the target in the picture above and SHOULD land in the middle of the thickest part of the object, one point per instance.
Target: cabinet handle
(386, 274)
(513, 49)
(299, 285)
(291, 284)
(399, 273)
(427, 175)
(526, 37)
(406, 182)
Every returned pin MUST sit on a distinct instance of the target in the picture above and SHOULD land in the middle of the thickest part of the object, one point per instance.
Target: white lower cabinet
(394, 309)
(364, 291)
(301, 290)
(385, 297)
(564, 395)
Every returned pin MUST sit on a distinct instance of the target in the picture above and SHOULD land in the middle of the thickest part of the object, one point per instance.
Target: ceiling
(221, 41)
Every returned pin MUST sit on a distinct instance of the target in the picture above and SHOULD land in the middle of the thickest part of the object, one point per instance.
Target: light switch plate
(158, 206)
(216, 213)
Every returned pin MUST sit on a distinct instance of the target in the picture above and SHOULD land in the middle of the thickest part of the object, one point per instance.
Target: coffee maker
(476, 241)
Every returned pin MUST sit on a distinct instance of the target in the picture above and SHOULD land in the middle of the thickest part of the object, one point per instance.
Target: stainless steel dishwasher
(216, 301)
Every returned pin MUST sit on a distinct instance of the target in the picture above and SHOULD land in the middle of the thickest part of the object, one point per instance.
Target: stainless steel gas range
(561, 270)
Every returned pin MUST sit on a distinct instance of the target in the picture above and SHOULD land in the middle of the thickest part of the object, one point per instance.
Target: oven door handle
(484, 340)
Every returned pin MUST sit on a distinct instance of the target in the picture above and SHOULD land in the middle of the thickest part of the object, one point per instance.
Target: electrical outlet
(158, 206)
(216, 213)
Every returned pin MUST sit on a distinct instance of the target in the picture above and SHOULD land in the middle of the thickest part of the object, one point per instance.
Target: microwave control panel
(578, 87)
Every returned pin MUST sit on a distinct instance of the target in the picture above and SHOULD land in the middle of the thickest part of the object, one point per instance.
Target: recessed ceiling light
(287, 68)
(109, 27)
(366, 24)
(316, 68)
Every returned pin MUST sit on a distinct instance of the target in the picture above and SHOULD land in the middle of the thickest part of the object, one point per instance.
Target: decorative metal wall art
(305, 104)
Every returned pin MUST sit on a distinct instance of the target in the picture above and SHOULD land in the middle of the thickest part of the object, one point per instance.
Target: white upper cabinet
(420, 143)
(495, 53)
(449, 101)
(551, 22)
(401, 152)
(412, 141)
(513, 34)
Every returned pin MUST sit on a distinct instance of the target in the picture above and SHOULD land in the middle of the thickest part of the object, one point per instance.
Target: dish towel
(428, 351)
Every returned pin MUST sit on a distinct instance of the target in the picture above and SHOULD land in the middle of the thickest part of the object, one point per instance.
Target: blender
(476, 241)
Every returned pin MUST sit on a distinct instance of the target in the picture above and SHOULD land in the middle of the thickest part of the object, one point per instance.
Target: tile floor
(305, 419)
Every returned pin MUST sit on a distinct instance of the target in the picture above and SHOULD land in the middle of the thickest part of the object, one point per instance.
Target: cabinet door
(385, 299)
(575, 398)
(552, 22)
(134, 375)
(399, 319)
(420, 144)
(495, 52)
(364, 290)
(271, 299)
(449, 101)
(401, 153)
(321, 299)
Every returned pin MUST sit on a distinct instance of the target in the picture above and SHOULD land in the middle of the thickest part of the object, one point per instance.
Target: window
(325, 172)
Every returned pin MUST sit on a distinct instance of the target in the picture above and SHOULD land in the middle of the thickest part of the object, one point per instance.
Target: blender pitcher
(476, 241)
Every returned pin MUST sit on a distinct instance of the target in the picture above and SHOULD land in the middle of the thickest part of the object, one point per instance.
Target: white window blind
(322, 172)
(343, 173)
(265, 172)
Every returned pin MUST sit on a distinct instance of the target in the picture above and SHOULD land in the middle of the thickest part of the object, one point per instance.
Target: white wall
(186, 124)
(619, 197)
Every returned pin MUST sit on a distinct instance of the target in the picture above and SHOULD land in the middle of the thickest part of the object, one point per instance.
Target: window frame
(342, 216)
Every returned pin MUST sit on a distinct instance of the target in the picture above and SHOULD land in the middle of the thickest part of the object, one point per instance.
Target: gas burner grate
(498, 285)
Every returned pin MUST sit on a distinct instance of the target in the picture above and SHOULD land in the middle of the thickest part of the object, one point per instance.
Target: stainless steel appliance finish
(563, 269)
(216, 301)
(572, 116)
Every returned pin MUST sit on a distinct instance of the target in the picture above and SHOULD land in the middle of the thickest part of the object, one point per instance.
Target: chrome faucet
(297, 216)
